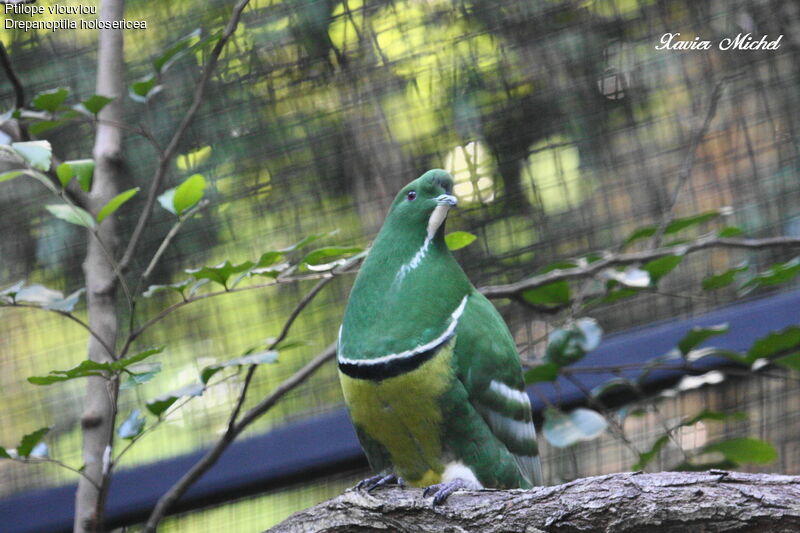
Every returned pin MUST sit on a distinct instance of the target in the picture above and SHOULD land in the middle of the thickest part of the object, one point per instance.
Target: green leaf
(611, 384)
(37, 154)
(193, 159)
(288, 344)
(50, 100)
(11, 174)
(37, 128)
(744, 450)
(9, 294)
(647, 457)
(779, 273)
(697, 335)
(94, 104)
(697, 354)
(132, 426)
(717, 416)
(553, 294)
(322, 256)
(29, 441)
(125, 362)
(65, 305)
(30, 114)
(158, 405)
(641, 233)
(71, 214)
(82, 168)
(197, 285)
(459, 239)
(305, 241)
(630, 277)
(268, 259)
(44, 180)
(220, 273)
(269, 356)
(570, 344)
(791, 361)
(675, 226)
(660, 267)
(686, 466)
(82, 370)
(564, 430)
(540, 373)
(65, 173)
(38, 294)
(178, 287)
(776, 343)
(166, 200)
(730, 231)
(4, 454)
(138, 374)
(267, 272)
(680, 224)
(174, 52)
(115, 203)
(144, 89)
(724, 279)
(188, 193)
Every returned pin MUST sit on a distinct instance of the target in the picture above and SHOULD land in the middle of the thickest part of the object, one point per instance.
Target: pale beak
(443, 204)
(447, 199)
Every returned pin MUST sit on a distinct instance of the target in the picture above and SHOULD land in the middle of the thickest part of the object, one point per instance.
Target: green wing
(488, 365)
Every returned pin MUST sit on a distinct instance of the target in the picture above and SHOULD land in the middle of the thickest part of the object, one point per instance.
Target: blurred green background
(563, 125)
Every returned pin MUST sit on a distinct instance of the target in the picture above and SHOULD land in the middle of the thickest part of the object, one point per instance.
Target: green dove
(429, 370)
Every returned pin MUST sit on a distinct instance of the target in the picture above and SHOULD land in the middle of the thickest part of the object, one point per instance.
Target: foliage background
(565, 127)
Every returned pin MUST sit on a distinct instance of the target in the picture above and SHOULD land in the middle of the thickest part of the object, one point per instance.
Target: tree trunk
(668, 502)
(97, 421)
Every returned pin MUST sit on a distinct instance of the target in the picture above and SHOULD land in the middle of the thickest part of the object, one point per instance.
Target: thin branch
(116, 268)
(19, 102)
(234, 427)
(138, 130)
(169, 151)
(177, 490)
(174, 307)
(688, 162)
(282, 335)
(613, 423)
(171, 235)
(106, 252)
(514, 290)
(72, 317)
(164, 417)
(41, 460)
(11, 74)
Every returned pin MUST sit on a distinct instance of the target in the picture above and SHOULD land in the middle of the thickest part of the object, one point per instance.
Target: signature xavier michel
(743, 41)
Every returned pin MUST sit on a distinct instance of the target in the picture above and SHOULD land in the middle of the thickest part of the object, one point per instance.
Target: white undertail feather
(451, 328)
(458, 470)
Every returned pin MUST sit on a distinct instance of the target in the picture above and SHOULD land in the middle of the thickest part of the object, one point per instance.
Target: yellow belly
(403, 414)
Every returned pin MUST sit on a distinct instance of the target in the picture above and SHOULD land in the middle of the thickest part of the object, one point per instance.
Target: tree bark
(667, 502)
(100, 405)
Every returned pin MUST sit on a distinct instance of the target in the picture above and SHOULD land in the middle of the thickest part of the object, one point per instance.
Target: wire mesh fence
(565, 126)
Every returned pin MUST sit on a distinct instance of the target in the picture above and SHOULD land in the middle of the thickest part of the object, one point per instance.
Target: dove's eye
(411, 195)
